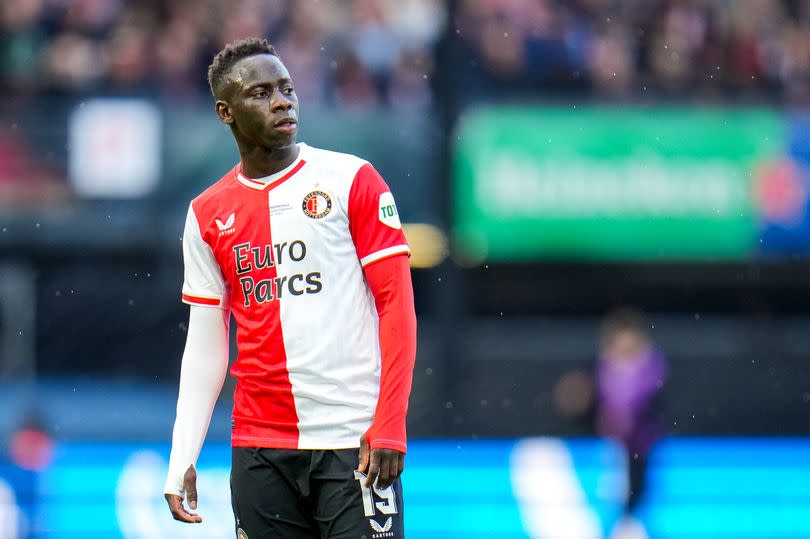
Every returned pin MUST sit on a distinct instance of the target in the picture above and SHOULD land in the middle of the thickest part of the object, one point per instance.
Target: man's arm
(205, 363)
(382, 449)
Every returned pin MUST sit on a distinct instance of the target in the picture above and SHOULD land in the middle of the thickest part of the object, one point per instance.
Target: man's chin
(277, 142)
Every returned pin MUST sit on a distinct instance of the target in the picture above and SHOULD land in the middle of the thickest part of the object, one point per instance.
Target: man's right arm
(205, 363)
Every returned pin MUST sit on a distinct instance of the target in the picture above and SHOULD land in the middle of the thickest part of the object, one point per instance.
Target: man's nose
(280, 102)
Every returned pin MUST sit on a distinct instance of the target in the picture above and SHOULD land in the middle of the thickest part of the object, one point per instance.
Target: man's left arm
(382, 449)
(382, 251)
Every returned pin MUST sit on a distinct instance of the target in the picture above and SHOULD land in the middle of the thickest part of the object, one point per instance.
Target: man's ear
(224, 112)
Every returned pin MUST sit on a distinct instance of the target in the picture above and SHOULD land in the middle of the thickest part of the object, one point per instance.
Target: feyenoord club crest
(317, 205)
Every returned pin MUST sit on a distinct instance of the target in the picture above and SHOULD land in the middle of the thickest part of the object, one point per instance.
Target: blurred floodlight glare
(114, 148)
(428, 244)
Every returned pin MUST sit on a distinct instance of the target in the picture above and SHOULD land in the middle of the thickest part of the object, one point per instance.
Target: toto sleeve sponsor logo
(388, 211)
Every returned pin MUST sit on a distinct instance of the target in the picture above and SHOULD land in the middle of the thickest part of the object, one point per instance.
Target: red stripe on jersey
(264, 413)
(279, 181)
(264, 409)
(201, 301)
(289, 175)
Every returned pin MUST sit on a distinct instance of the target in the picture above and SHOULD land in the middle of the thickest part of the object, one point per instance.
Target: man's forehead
(258, 68)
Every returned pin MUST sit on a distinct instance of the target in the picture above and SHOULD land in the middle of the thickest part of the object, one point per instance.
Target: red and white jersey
(286, 255)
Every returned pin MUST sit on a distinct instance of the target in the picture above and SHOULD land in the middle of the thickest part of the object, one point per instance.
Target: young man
(305, 249)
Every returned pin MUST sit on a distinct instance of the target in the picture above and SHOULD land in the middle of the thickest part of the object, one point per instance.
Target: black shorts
(310, 494)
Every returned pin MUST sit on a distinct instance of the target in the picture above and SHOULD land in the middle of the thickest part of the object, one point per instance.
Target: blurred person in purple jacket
(630, 375)
(621, 398)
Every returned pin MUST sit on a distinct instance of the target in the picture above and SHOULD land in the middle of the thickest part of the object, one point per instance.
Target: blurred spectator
(179, 50)
(130, 69)
(73, 64)
(610, 62)
(674, 47)
(373, 43)
(630, 374)
(354, 85)
(409, 87)
(22, 40)
(245, 18)
(92, 18)
(622, 397)
(301, 45)
(29, 452)
(794, 69)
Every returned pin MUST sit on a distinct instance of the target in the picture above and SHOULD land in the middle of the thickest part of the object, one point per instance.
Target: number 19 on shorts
(388, 505)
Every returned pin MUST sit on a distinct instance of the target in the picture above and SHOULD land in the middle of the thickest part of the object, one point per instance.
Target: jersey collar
(260, 184)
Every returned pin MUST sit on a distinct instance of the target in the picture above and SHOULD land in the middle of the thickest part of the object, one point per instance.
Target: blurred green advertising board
(611, 183)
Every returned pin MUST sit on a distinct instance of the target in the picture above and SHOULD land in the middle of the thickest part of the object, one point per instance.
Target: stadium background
(554, 160)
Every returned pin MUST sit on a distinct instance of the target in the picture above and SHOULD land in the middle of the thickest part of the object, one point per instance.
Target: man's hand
(382, 465)
(176, 502)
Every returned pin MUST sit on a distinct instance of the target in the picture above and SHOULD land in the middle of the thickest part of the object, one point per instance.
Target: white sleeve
(203, 282)
(205, 362)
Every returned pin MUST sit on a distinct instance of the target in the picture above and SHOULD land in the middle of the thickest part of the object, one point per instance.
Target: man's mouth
(286, 123)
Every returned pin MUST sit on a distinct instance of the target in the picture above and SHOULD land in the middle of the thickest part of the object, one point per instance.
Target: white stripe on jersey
(379, 255)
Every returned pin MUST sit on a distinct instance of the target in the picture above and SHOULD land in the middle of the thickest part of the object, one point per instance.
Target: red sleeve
(390, 283)
(373, 218)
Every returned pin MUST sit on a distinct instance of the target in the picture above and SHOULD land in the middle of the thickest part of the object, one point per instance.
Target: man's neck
(258, 162)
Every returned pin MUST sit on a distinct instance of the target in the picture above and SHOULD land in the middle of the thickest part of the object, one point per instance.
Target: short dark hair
(230, 55)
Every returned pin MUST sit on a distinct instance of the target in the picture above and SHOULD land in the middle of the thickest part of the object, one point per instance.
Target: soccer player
(305, 249)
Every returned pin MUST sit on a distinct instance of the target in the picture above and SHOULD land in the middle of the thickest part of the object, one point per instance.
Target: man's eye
(260, 93)
(287, 91)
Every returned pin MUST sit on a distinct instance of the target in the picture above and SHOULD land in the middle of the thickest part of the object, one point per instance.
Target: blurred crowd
(405, 54)
(344, 53)
(349, 52)
(628, 49)
(371, 52)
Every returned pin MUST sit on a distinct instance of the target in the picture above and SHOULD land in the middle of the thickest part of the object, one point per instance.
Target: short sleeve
(373, 218)
(203, 282)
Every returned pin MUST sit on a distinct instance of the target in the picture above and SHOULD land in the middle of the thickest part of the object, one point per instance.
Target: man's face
(262, 102)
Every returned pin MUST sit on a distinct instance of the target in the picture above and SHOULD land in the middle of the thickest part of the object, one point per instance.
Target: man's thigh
(268, 490)
(345, 509)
